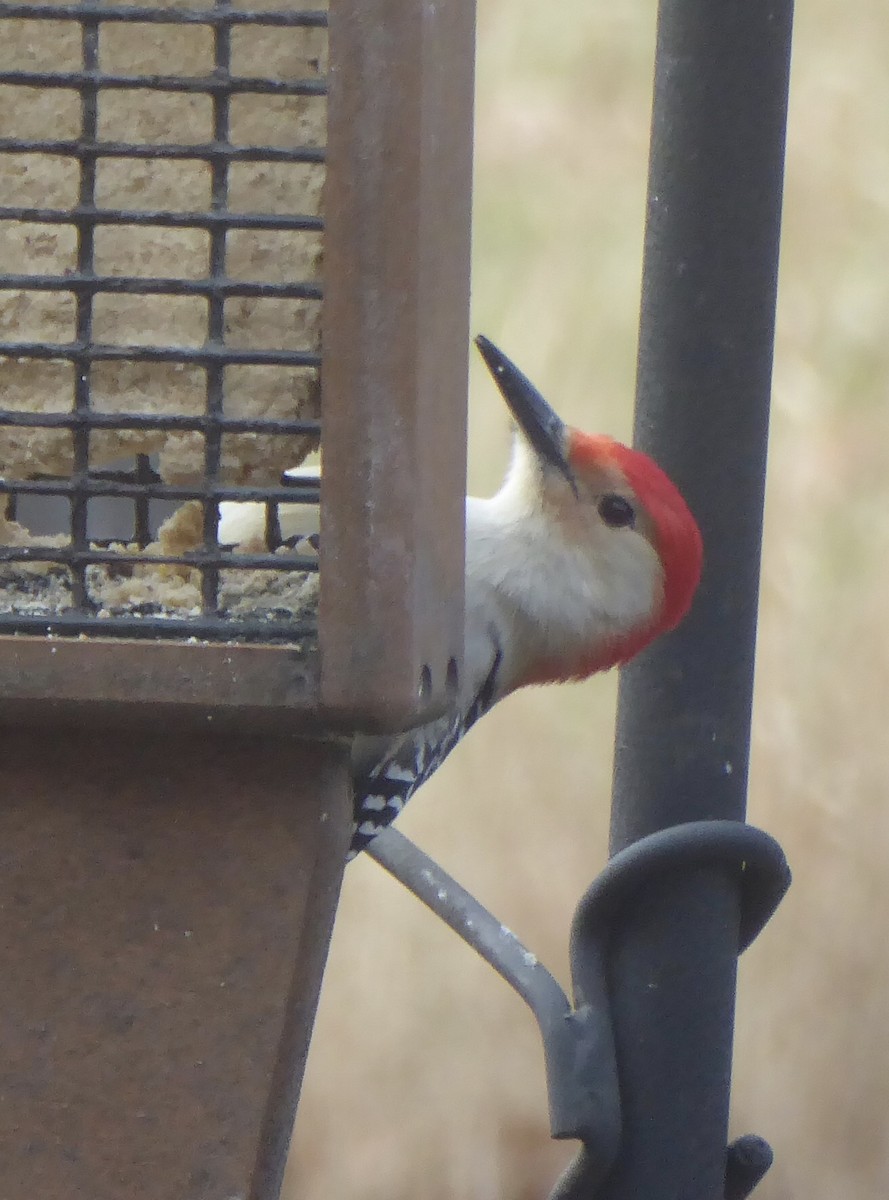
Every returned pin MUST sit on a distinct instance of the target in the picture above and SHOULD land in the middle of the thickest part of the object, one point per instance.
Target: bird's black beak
(545, 431)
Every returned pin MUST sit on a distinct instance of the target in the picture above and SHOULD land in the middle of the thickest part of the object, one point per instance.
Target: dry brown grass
(425, 1076)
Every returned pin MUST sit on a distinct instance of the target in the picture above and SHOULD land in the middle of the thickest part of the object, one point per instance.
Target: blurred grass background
(425, 1077)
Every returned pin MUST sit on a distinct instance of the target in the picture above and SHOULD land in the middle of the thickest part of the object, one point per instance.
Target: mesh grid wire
(160, 233)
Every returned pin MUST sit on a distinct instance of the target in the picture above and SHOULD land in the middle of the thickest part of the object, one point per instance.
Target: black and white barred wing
(387, 771)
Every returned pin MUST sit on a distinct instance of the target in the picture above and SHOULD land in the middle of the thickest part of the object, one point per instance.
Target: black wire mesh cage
(194, 198)
(159, 315)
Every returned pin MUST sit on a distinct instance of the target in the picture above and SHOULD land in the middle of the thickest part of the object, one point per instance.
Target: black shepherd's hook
(582, 1067)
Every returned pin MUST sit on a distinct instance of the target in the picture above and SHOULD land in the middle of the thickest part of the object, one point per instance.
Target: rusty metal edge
(395, 346)
(317, 929)
(122, 682)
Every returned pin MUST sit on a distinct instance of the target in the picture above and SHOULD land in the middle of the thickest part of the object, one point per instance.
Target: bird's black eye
(617, 511)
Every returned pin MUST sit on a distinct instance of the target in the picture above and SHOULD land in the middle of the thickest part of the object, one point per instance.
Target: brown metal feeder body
(176, 798)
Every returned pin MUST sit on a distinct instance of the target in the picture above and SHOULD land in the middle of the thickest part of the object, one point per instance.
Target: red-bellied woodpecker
(586, 554)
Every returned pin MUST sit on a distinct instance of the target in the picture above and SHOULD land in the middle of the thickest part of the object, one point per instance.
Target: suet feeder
(231, 236)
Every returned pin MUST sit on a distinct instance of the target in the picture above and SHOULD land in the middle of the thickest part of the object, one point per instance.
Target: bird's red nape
(677, 537)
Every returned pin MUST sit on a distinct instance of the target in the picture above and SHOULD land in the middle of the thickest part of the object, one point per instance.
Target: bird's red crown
(676, 534)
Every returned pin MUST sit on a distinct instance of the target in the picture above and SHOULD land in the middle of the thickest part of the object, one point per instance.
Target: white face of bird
(581, 571)
(581, 564)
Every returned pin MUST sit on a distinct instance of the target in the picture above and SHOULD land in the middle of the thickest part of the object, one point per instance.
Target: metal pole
(705, 357)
